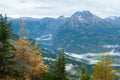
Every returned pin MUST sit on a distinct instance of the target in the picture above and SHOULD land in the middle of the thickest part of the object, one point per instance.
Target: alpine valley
(84, 36)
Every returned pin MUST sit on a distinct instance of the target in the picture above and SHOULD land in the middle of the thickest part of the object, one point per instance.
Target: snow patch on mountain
(45, 37)
(69, 67)
(92, 58)
(80, 18)
(49, 59)
(75, 55)
(112, 46)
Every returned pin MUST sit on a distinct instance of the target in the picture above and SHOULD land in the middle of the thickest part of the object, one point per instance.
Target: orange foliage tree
(29, 58)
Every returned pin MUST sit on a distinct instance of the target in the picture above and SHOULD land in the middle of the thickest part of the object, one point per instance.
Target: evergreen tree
(60, 64)
(84, 74)
(104, 69)
(7, 62)
(46, 76)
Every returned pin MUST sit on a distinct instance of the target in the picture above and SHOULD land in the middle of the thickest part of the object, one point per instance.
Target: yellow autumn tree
(104, 69)
(37, 63)
(28, 57)
(23, 55)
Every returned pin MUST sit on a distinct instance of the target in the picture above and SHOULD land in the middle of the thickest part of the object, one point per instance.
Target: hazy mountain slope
(82, 33)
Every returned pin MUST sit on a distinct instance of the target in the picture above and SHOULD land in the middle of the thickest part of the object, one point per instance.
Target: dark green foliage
(46, 76)
(7, 63)
(60, 67)
(84, 74)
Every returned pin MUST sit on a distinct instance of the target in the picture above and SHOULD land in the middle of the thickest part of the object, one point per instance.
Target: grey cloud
(22, 1)
(4, 6)
(102, 8)
(44, 7)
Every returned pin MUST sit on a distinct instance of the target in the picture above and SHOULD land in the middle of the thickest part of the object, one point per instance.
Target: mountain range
(84, 35)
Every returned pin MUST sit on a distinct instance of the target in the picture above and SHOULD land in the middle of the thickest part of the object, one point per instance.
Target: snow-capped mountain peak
(86, 17)
(83, 13)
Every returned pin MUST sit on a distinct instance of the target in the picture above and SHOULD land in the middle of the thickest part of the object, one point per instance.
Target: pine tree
(104, 70)
(84, 74)
(7, 62)
(60, 64)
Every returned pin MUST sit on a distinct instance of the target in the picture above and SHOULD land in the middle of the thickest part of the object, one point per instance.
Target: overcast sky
(56, 8)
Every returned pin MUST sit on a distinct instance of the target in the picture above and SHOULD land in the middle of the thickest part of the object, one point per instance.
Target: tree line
(22, 60)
